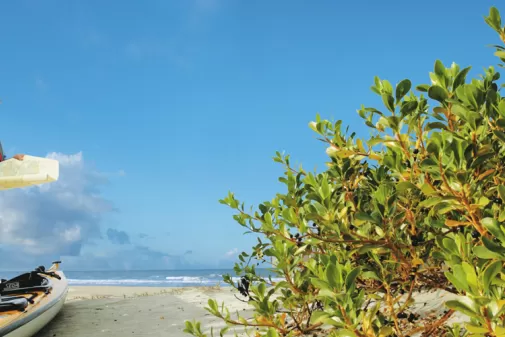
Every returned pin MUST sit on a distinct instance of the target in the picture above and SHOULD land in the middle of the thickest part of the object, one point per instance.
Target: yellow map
(27, 172)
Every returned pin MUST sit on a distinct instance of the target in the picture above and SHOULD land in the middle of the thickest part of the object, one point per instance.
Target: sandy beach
(149, 311)
(137, 311)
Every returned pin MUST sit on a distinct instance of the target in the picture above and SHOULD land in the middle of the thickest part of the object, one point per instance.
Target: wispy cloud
(118, 237)
(231, 253)
(131, 258)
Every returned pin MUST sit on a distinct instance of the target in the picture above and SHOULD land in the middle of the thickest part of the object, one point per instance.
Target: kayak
(28, 302)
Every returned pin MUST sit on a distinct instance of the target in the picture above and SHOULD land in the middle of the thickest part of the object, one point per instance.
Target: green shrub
(418, 206)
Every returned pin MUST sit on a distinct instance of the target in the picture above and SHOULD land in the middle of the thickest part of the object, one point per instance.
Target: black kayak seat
(13, 303)
(25, 283)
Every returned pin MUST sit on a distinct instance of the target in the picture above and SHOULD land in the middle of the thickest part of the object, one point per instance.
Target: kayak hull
(32, 327)
(37, 315)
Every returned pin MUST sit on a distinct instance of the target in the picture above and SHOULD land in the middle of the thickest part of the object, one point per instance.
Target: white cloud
(63, 221)
(67, 160)
(231, 253)
(131, 257)
(55, 219)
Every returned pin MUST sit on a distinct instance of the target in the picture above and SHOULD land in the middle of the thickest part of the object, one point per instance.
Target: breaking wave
(150, 279)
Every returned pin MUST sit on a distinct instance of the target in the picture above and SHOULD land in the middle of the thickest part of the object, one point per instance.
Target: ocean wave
(162, 281)
(174, 281)
(187, 279)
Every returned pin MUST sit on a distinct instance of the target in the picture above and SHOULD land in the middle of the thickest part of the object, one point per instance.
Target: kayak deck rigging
(28, 296)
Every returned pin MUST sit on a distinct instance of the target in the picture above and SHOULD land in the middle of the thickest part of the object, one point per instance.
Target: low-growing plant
(417, 206)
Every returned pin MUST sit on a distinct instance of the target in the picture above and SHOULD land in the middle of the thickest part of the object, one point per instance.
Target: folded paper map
(27, 172)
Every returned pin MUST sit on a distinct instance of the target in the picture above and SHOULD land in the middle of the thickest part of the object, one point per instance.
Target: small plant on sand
(417, 206)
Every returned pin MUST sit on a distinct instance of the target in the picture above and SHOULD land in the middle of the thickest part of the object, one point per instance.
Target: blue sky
(174, 103)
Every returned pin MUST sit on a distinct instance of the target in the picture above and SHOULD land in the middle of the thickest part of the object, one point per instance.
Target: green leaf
(490, 273)
(500, 135)
(501, 107)
(499, 331)
(351, 278)
(386, 331)
(272, 333)
(436, 125)
(332, 275)
(405, 185)
(320, 284)
(428, 190)
(389, 102)
(344, 333)
(438, 93)
(500, 122)
(471, 276)
(370, 275)
(319, 317)
(483, 201)
(494, 228)
(387, 87)
(321, 210)
(402, 89)
(457, 282)
(439, 69)
(501, 191)
(484, 253)
(408, 107)
(341, 153)
(460, 78)
(450, 245)
(476, 329)
(495, 248)
(462, 307)
(366, 217)
(494, 19)
(423, 87)
(429, 162)
(268, 219)
(213, 305)
(481, 159)
(223, 331)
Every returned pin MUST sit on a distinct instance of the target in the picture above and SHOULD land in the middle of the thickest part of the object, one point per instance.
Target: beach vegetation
(417, 207)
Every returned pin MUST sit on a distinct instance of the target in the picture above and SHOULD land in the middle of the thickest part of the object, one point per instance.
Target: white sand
(149, 311)
(138, 311)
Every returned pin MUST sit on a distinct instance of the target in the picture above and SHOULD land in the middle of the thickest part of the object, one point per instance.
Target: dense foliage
(417, 206)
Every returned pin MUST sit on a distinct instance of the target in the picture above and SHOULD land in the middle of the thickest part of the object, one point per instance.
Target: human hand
(19, 156)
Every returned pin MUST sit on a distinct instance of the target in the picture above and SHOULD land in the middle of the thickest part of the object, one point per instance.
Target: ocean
(149, 278)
